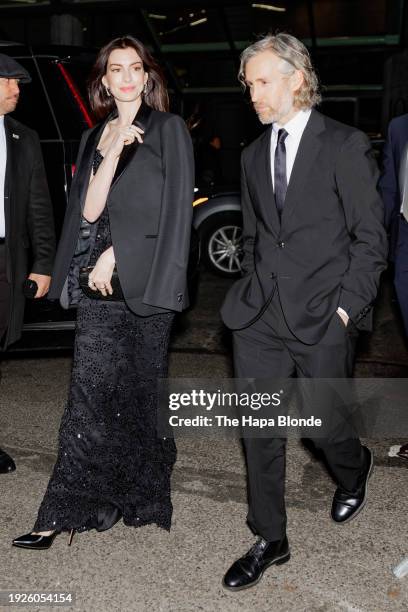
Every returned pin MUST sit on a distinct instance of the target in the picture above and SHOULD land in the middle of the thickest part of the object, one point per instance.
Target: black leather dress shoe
(249, 569)
(346, 505)
(35, 542)
(6, 463)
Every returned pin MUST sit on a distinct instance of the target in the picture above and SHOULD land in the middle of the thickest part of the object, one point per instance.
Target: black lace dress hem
(106, 516)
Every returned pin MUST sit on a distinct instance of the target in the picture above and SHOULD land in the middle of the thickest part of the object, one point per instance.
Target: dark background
(358, 47)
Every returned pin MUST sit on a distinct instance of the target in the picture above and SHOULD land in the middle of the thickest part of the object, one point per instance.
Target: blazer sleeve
(357, 176)
(388, 183)
(167, 283)
(248, 224)
(70, 226)
(78, 161)
(40, 220)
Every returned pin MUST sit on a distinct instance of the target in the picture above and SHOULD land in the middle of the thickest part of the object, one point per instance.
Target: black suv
(53, 105)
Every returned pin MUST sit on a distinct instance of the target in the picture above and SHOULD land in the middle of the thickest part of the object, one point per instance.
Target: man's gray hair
(294, 56)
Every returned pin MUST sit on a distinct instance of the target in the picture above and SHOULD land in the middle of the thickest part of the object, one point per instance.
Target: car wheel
(221, 243)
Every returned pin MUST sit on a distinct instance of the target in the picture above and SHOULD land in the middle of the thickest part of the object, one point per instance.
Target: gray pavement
(333, 568)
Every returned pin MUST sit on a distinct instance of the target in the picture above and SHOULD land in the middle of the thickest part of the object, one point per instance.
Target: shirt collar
(296, 125)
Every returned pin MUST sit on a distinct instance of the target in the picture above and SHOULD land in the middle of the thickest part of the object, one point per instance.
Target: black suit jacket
(28, 215)
(330, 246)
(150, 213)
(392, 179)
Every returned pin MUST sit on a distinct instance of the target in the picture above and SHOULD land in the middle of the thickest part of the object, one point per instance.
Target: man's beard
(265, 118)
(274, 116)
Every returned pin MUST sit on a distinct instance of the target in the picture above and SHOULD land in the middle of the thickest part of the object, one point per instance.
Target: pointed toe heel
(35, 542)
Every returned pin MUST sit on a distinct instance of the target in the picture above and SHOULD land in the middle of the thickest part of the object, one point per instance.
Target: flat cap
(10, 69)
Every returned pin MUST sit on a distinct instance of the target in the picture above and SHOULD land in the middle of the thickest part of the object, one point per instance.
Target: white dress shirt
(295, 128)
(3, 160)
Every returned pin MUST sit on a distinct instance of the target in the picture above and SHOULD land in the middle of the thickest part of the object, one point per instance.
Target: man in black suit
(314, 249)
(394, 190)
(26, 218)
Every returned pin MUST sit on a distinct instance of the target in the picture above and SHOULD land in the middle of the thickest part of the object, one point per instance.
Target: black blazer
(150, 213)
(30, 233)
(392, 179)
(330, 246)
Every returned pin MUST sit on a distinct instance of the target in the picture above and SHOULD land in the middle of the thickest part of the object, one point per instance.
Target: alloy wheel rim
(225, 248)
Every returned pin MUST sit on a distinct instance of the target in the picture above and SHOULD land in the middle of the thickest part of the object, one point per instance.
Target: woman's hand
(123, 136)
(100, 277)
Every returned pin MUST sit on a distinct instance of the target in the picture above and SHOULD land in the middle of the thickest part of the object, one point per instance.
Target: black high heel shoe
(39, 542)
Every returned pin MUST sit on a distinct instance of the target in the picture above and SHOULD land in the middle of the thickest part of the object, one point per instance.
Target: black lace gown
(110, 463)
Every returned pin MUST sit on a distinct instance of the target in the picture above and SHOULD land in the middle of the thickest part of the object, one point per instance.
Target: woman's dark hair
(156, 95)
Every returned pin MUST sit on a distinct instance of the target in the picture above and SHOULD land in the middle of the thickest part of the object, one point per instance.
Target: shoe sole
(277, 561)
(363, 503)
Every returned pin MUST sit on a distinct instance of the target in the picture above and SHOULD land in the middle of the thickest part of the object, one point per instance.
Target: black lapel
(13, 142)
(85, 167)
(309, 148)
(141, 120)
(264, 181)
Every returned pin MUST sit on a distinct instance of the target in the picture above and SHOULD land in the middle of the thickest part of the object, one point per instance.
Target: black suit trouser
(4, 293)
(267, 349)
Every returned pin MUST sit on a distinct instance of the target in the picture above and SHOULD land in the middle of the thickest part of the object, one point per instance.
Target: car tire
(221, 243)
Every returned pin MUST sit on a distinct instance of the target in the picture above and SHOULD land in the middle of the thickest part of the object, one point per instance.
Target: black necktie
(280, 180)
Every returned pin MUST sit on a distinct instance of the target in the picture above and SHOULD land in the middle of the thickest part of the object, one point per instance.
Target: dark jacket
(150, 213)
(30, 233)
(330, 246)
(391, 182)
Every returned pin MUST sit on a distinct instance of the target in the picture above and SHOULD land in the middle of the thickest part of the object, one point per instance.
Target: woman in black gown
(129, 217)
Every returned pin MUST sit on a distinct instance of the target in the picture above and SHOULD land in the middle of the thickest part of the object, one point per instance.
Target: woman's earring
(108, 93)
(145, 89)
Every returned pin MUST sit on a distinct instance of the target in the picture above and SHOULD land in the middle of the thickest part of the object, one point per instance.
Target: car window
(33, 109)
(67, 100)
